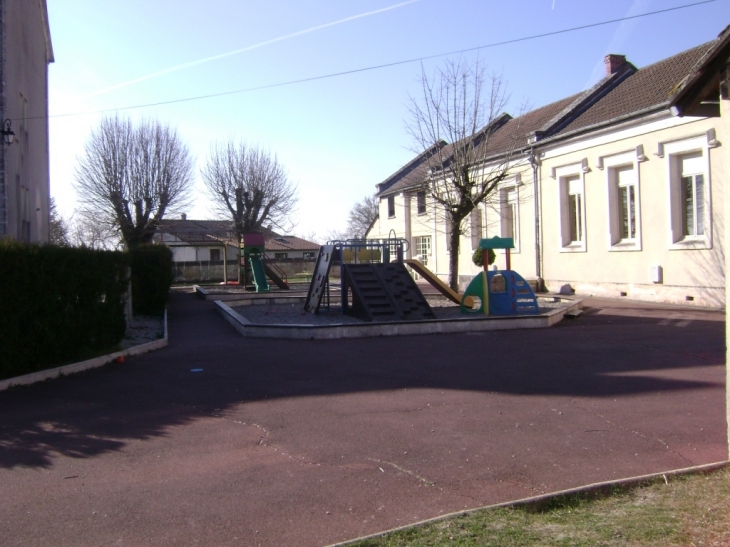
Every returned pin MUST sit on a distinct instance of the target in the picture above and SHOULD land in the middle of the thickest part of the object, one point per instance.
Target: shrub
(58, 305)
(151, 278)
(478, 254)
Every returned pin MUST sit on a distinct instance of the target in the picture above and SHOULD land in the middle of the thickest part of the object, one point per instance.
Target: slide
(278, 281)
(440, 286)
(259, 275)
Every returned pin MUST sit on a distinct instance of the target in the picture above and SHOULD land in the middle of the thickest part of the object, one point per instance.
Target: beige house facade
(25, 42)
(609, 193)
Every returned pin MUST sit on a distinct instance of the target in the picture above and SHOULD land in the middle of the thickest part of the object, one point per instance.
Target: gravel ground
(294, 314)
(143, 329)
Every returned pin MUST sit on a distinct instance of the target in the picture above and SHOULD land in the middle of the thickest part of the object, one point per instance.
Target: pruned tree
(361, 217)
(452, 124)
(249, 186)
(131, 175)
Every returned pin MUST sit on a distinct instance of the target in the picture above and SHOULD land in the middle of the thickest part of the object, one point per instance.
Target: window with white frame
(475, 228)
(692, 189)
(627, 202)
(690, 222)
(572, 209)
(423, 248)
(509, 215)
(624, 205)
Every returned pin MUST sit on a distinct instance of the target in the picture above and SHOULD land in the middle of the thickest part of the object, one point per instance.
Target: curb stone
(96, 362)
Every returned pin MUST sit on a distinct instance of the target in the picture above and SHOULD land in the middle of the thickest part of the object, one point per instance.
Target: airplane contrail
(242, 50)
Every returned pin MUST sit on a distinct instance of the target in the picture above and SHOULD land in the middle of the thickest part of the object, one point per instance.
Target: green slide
(259, 275)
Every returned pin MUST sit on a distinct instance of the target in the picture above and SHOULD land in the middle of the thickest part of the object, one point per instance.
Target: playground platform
(332, 325)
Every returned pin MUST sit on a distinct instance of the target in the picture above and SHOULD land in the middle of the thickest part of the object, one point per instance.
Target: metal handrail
(281, 273)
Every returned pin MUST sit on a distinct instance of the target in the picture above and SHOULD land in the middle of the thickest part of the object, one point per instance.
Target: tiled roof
(627, 93)
(646, 90)
(704, 79)
(411, 174)
(216, 232)
(513, 135)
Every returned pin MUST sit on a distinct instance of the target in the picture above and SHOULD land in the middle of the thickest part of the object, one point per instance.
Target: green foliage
(151, 278)
(59, 305)
(477, 256)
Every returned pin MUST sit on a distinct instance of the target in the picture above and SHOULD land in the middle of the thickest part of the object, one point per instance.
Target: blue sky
(337, 137)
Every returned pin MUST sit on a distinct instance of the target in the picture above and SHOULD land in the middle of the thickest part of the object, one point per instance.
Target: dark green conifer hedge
(58, 305)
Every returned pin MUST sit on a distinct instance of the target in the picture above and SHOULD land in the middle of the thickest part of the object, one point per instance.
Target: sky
(338, 136)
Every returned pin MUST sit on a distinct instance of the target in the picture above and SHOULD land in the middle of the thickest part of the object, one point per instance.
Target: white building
(608, 193)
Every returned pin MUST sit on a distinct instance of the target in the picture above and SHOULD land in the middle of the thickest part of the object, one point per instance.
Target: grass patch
(689, 510)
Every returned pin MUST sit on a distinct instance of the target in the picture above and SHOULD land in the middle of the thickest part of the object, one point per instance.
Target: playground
(363, 288)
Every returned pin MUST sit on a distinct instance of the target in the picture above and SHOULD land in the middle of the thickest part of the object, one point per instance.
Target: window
(391, 207)
(509, 214)
(308, 254)
(215, 255)
(627, 205)
(423, 248)
(690, 224)
(693, 196)
(571, 200)
(624, 206)
(477, 232)
(421, 203)
(24, 198)
(280, 256)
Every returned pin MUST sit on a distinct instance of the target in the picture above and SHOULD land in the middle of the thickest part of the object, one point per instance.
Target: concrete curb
(399, 328)
(96, 362)
(597, 486)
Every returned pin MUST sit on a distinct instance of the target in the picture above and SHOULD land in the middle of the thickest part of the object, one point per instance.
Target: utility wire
(385, 65)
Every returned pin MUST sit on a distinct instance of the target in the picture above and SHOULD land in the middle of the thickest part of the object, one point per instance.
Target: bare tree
(249, 186)
(452, 124)
(94, 232)
(59, 226)
(132, 175)
(361, 217)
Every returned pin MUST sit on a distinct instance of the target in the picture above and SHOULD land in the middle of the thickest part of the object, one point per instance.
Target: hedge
(58, 305)
(151, 278)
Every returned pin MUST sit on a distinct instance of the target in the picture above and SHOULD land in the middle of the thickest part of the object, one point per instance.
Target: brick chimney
(613, 62)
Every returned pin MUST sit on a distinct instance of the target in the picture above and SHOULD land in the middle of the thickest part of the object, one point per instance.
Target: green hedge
(58, 305)
(151, 278)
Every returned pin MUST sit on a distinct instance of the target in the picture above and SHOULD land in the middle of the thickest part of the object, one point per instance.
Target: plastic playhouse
(502, 292)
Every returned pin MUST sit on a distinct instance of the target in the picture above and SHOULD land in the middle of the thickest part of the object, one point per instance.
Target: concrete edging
(96, 362)
(596, 486)
(401, 328)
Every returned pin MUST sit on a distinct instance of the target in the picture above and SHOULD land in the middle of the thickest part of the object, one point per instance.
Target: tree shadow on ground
(599, 355)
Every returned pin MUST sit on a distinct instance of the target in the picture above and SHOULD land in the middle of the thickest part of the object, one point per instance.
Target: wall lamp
(7, 133)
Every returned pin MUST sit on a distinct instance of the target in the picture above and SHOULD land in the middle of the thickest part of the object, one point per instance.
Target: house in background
(203, 249)
(25, 43)
(608, 193)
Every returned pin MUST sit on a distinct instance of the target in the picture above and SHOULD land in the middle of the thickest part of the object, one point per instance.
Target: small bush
(478, 255)
(151, 278)
(58, 305)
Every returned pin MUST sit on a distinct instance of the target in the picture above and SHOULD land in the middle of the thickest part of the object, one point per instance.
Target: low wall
(707, 297)
(212, 270)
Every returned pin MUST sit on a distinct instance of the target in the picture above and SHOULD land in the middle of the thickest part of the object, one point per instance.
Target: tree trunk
(454, 241)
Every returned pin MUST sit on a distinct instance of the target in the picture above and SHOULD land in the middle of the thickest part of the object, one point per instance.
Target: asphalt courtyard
(306, 443)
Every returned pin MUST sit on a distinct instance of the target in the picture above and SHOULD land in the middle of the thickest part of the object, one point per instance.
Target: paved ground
(308, 443)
